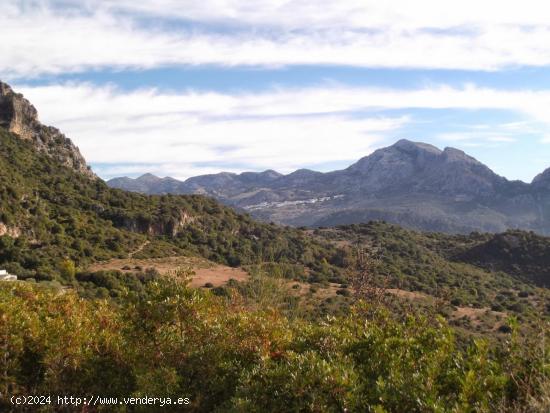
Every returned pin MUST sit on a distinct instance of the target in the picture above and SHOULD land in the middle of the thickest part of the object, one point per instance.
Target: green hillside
(51, 213)
(255, 346)
(466, 270)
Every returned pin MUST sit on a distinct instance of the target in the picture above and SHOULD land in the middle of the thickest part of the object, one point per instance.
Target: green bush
(179, 342)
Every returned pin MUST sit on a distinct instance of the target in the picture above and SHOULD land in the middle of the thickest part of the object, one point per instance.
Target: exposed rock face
(413, 167)
(20, 117)
(159, 227)
(409, 183)
(13, 232)
(542, 180)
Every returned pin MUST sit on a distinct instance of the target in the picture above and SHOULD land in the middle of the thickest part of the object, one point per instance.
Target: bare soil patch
(411, 295)
(205, 271)
(217, 275)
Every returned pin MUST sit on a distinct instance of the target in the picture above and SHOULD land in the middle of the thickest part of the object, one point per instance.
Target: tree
(67, 269)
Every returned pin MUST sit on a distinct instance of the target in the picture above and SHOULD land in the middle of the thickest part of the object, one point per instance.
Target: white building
(5, 276)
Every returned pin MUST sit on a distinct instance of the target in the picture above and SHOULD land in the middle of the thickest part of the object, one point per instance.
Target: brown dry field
(205, 271)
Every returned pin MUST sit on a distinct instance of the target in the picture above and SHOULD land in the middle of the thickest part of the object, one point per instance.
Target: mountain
(542, 181)
(53, 209)
(18, 116)
(409, 183)
(147, 183)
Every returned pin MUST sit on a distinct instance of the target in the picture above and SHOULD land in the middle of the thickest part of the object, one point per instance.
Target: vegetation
(464, 270)
(277, 342)
(224, 356)
(65, 221)
(63, 216)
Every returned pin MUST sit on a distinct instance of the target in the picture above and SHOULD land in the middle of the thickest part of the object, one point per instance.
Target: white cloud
(94, 34)
(478, 139)
(299, 14)
(278, 128)
(193, 129)
(503, 139)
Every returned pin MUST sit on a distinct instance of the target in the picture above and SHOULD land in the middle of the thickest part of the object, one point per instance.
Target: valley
(127, 293)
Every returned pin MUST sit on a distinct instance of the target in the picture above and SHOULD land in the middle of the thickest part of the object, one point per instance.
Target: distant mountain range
(409, 183)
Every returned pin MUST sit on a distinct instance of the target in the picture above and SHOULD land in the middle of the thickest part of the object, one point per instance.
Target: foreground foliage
(224, 356)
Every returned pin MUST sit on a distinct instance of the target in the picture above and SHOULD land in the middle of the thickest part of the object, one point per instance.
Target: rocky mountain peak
(20, 117)
(304, 173)
(542, 180)
(148, 177)
(16, 113)
(259, 177)
(420, 167)
(415, 147)
(395, 165)
(402, 154)
(270, 173)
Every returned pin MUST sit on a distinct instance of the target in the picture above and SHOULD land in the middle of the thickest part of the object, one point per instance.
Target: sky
(183, 87)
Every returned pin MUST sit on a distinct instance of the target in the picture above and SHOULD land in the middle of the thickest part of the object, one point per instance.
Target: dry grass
(205, 271)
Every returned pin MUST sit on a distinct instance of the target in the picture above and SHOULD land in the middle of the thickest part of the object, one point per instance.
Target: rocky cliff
(542, 181)
(20, 117)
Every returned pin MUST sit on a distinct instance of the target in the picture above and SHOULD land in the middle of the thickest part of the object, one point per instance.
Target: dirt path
(138, 249)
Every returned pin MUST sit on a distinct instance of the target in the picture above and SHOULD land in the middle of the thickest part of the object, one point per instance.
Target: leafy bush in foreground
(175, 341)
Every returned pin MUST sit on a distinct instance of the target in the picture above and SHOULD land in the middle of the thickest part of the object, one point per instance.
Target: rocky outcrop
(20, 117)
(12, 232)
(418, 167)
(542, 181)
(160, 226)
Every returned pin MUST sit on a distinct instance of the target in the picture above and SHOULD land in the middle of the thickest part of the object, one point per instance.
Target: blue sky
(182, 88)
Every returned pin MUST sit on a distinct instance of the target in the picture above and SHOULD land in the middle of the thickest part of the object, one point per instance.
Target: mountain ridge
(409, 183)
(20, 117)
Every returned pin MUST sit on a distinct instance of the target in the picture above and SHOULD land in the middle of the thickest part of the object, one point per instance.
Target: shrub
(177, 341)
(343, 292)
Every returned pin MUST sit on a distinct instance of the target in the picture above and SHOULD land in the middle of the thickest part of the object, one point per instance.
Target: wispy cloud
(358, 14)
(278, 128)
(503, 139)
(190, 129)
(476, 139)
(45, 39)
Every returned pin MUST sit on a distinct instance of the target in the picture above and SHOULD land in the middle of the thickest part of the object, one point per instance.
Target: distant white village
(5, 276)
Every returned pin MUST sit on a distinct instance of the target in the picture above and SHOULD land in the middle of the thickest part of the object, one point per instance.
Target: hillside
(51, 212)
(477, 270)
(412, 184)
(105, 304)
